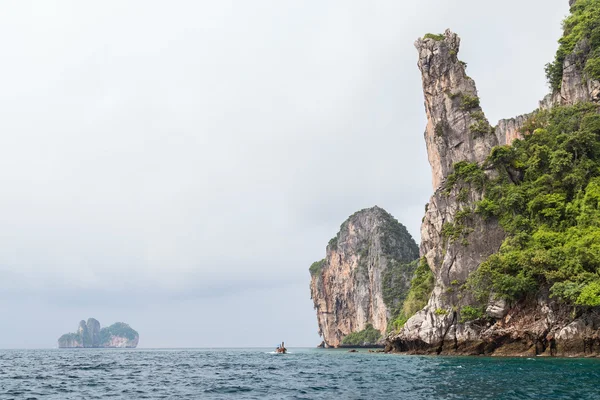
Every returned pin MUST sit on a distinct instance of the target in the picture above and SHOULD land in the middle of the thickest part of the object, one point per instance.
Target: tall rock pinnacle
(457, 129)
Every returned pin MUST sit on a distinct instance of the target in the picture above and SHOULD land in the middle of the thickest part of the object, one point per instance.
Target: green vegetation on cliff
(468, 102)
(547, 199)
(70, 338)
(470, 313)
(421, 287)
(367, 336)
(316, 267)
(118, 329)
(393, 285)
(434, 36)
(581, 33)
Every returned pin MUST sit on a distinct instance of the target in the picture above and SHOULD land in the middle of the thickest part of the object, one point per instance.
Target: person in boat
(281, 349)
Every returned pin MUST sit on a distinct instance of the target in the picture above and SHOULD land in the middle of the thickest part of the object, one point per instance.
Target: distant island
(89, 335)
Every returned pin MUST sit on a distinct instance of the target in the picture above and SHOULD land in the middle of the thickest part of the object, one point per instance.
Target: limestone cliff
(456, 239)
(365, 274)
(453, 243)
(89, 335)
(456, 127)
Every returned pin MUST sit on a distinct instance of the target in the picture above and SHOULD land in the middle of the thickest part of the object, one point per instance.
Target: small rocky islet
(509, 259)
(90, 335)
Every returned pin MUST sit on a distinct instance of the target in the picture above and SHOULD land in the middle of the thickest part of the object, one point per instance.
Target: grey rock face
(83, 333)
(497, 309)
(572, 331)
(451, 260)
(449, 135)
(93, 332)
(89, 333)
(348, 287)
(70, 340)
(576, 85)
(508, 130)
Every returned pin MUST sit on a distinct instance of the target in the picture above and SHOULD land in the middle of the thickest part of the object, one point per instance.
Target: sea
(301, 374)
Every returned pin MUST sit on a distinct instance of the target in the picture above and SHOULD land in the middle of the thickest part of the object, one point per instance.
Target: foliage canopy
(581, 33)
(547, 199)
(367, 336)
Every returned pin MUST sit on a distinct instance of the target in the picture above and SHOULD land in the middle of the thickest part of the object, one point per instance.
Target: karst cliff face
(371, 252)
(90, 335)
(451, 103)
(455, 240)
(452, 107)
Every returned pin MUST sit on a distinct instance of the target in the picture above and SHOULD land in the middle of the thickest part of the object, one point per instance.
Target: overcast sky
(179, 165)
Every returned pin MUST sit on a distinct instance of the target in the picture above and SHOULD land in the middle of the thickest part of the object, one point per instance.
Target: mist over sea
(302, 374)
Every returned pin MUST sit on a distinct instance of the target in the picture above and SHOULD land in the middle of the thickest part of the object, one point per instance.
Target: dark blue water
(303, 374)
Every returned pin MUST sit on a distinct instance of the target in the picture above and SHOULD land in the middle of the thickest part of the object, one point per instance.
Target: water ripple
(305, 374)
